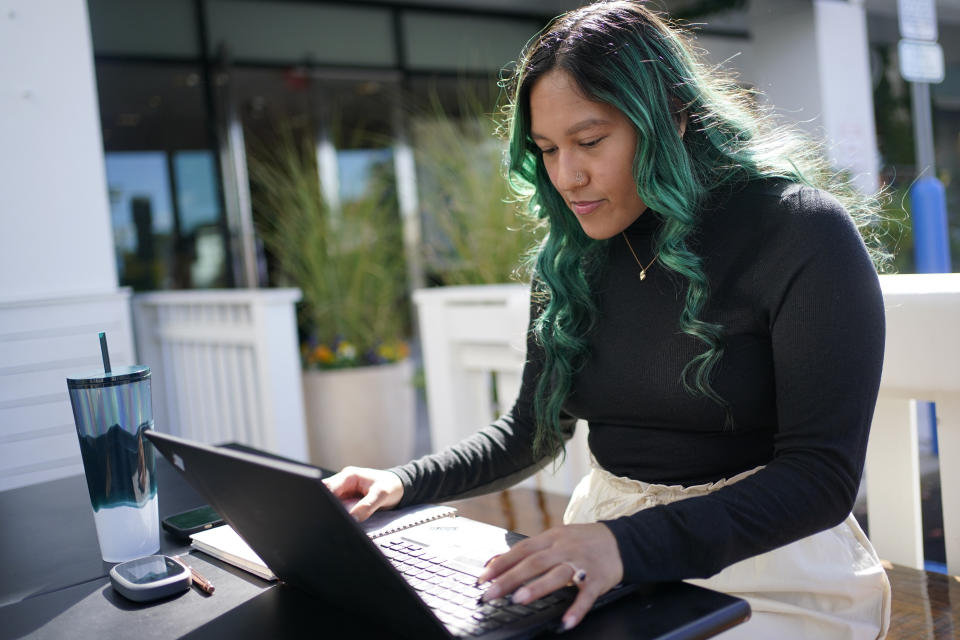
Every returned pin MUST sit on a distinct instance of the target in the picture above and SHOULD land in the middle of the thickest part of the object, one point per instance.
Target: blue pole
(928, 209)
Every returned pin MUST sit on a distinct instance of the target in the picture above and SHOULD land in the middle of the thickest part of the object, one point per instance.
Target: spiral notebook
(383, 523)
(226, 544)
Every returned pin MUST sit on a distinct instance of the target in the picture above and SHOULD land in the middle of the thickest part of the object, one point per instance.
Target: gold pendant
(643, 275)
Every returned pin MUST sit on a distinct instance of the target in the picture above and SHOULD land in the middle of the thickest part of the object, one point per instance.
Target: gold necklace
(643, 269)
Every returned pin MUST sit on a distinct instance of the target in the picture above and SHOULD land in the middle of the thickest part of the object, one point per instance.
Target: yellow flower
(346, 350)
(393, 351)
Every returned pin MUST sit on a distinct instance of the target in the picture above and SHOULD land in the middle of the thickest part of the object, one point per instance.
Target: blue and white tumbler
(112, 408)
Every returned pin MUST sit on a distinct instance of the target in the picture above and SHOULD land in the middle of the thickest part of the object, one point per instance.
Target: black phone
(192, 521)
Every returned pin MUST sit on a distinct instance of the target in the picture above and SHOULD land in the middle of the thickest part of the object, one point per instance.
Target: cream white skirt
(828, 586)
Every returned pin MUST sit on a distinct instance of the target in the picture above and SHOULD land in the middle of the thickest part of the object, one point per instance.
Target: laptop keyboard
(453, 595)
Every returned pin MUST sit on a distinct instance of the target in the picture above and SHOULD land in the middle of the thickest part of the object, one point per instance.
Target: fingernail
(521, 596)
(568, 623)
(491, 594)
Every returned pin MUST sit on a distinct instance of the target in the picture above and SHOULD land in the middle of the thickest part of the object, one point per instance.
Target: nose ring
(579, 177)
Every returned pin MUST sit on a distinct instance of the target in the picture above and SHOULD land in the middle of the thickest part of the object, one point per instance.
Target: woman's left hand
(588, 547)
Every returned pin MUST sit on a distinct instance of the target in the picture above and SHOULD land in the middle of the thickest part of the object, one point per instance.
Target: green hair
(622, 54)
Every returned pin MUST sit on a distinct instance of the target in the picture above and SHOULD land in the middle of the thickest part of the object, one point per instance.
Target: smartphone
(192, 521)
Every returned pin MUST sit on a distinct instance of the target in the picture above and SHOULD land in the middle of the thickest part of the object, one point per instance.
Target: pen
(205, 585)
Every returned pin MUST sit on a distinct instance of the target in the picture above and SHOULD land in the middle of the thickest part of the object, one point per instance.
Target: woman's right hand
(372, 489)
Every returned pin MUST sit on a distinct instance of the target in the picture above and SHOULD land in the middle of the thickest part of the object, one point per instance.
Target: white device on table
(150, 578)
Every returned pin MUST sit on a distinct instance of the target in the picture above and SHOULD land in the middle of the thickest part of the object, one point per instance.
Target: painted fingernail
(521, 595)
(568, 623)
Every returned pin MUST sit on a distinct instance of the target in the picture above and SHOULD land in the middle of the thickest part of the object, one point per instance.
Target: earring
(579, 177)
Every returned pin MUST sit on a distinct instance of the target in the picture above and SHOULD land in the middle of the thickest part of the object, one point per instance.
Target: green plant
(895, 229)
(349, 264)
(474, 232)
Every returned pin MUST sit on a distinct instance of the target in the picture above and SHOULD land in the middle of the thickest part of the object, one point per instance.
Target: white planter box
(364, 416)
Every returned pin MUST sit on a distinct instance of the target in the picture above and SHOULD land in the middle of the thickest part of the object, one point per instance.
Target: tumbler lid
(120, 375)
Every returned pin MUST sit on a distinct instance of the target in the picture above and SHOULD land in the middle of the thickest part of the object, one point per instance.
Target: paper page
(466, 544)
(224, 540)
(383, 522)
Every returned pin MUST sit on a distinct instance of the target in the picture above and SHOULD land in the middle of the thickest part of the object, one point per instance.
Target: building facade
(127, 129)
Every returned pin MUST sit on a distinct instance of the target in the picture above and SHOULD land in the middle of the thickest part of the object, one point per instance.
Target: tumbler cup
(111, 410)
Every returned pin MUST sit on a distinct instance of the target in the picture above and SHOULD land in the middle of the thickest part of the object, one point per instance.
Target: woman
(712, 314)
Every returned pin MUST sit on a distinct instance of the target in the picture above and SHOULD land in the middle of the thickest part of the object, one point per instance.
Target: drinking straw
(104, 352)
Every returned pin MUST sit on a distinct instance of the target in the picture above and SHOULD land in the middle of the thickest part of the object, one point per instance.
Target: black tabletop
(48, 540)
(55, 585)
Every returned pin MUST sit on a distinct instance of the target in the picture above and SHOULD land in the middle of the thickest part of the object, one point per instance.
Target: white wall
(55, 236)
(785, 61)
(732, 54)
(843, 66)
(810, 59)
(42, 342)
(58, 280)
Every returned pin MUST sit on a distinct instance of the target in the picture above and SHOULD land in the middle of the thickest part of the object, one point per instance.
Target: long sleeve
(803, 331)
(817, 292)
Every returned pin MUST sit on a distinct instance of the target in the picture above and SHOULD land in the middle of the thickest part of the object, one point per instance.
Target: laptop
(417, 581)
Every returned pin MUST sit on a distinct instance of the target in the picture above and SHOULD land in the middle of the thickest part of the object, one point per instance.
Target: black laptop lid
(303, 533)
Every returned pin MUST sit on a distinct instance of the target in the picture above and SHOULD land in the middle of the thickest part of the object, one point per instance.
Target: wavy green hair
(622, 54)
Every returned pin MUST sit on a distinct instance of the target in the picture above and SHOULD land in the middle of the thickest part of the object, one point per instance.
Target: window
(165, 201)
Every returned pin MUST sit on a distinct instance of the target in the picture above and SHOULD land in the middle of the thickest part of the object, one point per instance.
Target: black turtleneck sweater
(800, 303)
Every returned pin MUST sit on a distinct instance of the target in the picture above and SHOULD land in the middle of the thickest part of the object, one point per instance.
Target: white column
(58, 276)
(55, 235)
(811, 59)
